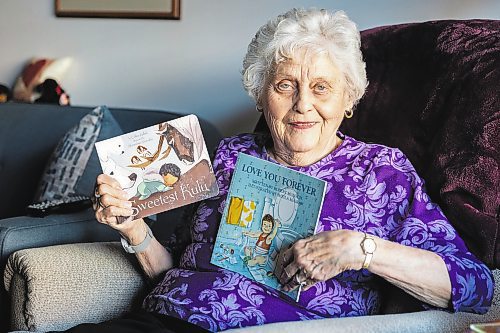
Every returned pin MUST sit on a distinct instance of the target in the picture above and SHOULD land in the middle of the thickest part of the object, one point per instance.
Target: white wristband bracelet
(139, 247)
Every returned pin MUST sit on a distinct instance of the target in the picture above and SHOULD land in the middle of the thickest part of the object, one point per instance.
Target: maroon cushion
(434, 93)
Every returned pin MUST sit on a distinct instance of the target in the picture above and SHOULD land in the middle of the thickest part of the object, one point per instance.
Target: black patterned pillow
(73, 166)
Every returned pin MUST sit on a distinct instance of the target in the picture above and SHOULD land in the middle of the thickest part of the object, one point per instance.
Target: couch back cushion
(29, 133)
(434, 93)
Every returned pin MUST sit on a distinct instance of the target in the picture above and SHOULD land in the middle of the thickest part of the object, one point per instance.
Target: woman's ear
(349, 108)
(349, 101)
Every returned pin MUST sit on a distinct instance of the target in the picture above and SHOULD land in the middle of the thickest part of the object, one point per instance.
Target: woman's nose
(303, 101)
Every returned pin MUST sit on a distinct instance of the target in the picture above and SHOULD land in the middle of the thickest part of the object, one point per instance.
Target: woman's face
(304, 103)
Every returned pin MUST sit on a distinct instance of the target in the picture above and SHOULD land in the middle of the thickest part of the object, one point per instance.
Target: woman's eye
(320, 87)
(284, 86)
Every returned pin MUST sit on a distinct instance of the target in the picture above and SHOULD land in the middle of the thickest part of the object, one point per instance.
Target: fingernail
(124, 195)
(128, 204)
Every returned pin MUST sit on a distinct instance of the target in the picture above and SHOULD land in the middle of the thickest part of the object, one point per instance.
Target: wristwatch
(139, 247)
(368, 246)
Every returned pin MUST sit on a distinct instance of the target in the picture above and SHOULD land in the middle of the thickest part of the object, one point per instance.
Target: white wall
(188, 66)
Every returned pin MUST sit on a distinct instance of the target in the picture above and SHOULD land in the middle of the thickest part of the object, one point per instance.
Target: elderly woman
(377, 224)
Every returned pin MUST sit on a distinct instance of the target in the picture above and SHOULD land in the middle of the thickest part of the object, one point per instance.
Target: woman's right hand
(112, 207)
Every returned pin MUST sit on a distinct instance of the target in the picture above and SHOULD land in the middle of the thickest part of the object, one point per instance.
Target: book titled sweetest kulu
(268, 208)
(161, 167)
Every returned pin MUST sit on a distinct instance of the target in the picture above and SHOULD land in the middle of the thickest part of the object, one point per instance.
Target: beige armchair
(57, 287)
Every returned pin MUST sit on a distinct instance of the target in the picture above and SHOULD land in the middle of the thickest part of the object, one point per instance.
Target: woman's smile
(302, 125)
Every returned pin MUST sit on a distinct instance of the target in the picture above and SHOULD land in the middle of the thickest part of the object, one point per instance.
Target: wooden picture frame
(151, 9)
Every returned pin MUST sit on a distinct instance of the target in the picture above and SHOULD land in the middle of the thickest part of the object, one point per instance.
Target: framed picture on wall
(156, 9)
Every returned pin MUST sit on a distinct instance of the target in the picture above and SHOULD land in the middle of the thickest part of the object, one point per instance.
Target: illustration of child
(143, 151)
(169, 173)
(258, 254)
(135, 159)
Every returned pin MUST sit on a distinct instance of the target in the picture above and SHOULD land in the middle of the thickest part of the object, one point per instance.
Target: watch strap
(368, 260)
(141, 247)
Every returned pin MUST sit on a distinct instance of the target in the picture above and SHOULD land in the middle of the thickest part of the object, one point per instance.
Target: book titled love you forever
(268, 208)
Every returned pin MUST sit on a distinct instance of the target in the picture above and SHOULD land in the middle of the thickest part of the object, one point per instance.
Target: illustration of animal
(182, 145)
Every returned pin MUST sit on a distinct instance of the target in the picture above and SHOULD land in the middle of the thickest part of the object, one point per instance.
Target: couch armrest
(57, 287)
(431, 321)
(24, 232)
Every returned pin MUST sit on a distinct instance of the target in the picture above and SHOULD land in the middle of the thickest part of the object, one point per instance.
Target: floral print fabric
(371, 188)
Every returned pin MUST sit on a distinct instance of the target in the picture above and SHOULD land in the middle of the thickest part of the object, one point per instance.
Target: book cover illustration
(268, 208)
(161, 167)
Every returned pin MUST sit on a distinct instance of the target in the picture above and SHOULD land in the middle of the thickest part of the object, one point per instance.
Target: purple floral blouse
(371, 188)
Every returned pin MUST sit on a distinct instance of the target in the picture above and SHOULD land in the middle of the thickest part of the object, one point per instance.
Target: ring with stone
(298, 280)
(97, 197)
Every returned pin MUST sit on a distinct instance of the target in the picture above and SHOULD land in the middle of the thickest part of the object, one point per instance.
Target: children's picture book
(268, 208)
(161, 167)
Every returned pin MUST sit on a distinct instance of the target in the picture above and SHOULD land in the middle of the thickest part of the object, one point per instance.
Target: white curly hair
(316, 30)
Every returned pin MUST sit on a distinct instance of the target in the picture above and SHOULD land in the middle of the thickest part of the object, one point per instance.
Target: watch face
(369, 245)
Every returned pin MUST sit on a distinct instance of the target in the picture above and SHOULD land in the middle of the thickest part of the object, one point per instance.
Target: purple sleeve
(421, 223)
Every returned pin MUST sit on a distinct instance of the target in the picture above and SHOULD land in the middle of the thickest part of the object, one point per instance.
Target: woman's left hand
(319, 258)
